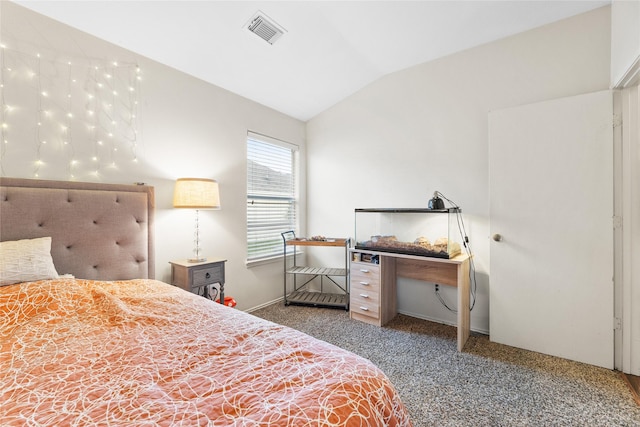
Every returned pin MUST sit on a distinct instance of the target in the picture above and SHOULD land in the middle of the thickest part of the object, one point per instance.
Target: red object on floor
(228, 301)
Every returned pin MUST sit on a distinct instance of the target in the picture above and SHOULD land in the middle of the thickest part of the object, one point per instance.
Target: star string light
(83, 111)
(38, 125)
(3, 125)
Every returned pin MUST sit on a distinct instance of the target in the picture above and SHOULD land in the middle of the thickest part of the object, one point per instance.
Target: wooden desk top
(329, 241)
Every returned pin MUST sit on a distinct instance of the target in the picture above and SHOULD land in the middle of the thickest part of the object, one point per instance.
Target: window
(271, 195)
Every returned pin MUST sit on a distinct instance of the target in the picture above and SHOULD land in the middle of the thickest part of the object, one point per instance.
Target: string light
(38, 140)
(3, 127)
(90, 101)
(67, 136)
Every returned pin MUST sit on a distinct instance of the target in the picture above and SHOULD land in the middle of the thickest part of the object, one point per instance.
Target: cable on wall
(467, 248)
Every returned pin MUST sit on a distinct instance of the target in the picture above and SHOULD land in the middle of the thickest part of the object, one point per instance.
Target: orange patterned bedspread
(141, 352)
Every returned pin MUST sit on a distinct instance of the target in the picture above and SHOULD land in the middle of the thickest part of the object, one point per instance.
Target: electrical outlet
(437, 288)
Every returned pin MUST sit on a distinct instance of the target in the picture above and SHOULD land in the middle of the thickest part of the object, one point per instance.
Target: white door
(551, 209)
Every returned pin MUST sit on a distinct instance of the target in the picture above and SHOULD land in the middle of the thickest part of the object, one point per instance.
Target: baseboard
(443, 322)
(634, 384)
(266, 304)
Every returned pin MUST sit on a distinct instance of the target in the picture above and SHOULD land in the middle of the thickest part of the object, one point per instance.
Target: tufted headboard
(98, 231)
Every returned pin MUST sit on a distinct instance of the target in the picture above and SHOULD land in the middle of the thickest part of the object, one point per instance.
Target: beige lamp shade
(196, 193)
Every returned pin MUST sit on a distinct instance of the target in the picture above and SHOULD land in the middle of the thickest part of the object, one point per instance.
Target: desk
(374, 290)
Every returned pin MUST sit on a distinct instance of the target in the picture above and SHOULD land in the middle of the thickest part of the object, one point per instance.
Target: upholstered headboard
(98, 231)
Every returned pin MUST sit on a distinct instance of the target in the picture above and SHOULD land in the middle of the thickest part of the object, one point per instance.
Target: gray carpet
(487, 385)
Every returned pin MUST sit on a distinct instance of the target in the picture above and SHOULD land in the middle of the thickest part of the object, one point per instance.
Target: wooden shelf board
(307, 242)
(325, 271)
(318, 299)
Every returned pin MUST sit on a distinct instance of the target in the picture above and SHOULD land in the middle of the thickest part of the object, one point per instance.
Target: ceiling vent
(265, 28)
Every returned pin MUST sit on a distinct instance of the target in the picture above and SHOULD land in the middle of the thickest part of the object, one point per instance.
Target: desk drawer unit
(373, 290)
(365, 292)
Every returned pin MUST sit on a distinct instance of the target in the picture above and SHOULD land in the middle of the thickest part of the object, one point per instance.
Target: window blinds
(271, 195)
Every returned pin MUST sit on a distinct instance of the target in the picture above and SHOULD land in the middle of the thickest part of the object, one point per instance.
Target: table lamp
(196, 193)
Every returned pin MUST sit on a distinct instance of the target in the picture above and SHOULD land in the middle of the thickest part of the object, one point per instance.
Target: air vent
(265, 28)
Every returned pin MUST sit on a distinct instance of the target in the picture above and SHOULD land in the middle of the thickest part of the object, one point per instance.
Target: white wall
(422, 129)
(625, 41)
(186, 128)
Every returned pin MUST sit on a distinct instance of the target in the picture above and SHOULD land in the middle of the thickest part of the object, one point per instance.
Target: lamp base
(196, 259)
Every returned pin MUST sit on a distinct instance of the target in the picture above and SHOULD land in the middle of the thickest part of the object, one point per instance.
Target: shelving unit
(300, 294)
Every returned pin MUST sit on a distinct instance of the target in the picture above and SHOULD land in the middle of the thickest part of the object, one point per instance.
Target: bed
(88, 337)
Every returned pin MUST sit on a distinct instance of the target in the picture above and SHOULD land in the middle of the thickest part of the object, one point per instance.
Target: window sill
(268, 260)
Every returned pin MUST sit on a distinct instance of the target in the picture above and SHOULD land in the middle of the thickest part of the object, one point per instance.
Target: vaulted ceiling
(329, 49)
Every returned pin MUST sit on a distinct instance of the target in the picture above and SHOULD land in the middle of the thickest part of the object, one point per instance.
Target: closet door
(551, 209)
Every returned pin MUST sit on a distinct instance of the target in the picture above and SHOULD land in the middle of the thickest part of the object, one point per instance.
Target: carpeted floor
(486, 385)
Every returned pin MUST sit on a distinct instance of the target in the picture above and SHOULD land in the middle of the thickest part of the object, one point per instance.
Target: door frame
(618, 232)
(627, 212)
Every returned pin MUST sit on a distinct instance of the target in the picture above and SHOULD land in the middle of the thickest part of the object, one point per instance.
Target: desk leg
(222, 293)
(464, 315)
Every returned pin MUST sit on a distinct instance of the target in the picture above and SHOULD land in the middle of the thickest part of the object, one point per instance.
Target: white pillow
(26, 260)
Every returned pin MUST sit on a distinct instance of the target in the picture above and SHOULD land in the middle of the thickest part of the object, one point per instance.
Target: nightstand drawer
(207, 276)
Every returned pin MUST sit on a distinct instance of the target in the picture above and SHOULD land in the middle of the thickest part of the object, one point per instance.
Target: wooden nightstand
(192, 276)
